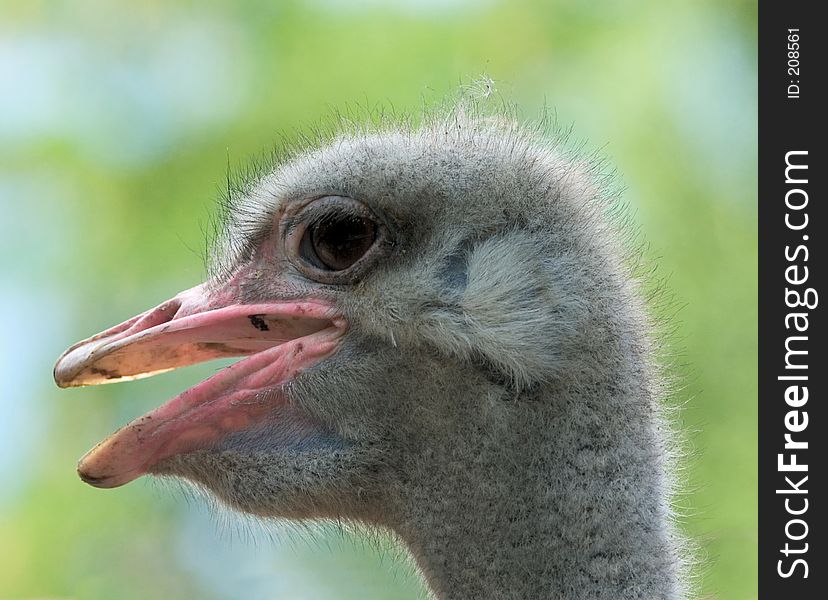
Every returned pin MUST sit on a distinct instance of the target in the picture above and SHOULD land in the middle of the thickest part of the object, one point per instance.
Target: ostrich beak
(279, 339)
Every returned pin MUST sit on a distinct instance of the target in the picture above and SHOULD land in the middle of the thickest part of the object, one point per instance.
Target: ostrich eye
(336, 242)
(336, 239)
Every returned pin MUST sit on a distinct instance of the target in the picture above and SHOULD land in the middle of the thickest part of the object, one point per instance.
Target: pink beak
(281, 339)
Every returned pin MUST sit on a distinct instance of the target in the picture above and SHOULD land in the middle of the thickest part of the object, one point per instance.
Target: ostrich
(444, 338)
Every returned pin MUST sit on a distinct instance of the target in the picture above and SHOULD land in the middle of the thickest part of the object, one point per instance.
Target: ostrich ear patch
(514, 311)
(455, 271)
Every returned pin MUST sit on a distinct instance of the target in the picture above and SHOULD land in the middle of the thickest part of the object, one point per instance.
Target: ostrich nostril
(160, 315)
(171, 308)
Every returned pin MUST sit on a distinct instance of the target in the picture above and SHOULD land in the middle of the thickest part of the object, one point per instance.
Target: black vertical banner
(793, 433)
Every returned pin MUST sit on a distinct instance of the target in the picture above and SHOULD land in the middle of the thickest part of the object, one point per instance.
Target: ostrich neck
(564, 500)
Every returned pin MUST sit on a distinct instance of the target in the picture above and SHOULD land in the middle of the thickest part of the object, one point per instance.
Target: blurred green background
(117, 123)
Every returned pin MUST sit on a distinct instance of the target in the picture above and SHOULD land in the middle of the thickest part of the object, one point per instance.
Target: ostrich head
(440, 338)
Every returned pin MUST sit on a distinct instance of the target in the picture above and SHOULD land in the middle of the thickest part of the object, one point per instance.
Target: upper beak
(193, 327)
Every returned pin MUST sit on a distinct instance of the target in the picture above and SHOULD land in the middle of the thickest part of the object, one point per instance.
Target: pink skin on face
(280, 340)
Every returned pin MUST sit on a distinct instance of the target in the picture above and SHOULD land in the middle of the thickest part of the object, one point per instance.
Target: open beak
(279, 339)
